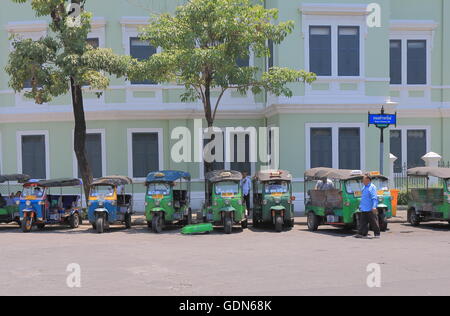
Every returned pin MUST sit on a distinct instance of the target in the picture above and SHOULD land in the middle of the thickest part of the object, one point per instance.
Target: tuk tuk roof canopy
(337, 174)
(443, 173)
(21, 178)
(113, 181)
(56, 183)
(271, 175)
(167, 176)
(223, 175)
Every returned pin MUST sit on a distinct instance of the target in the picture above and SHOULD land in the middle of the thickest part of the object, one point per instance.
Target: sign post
(382, 121)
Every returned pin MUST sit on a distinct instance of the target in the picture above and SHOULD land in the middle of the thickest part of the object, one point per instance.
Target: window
(94, 42)
(241, 158)
(145, 153)
(348, 51)
(94, 154)
(417, 147)
(270, 63)
(219, 162)
(33, 151)
(321, 147)
(320, 50)
(396, 149)
(141, 50)
(417, 62)
(396, 61)
(349, 148)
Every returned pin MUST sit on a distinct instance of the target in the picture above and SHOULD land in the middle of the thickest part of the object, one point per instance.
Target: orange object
(394, 194)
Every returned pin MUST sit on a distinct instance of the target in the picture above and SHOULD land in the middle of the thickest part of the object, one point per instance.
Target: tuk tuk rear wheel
(74, 220)
(100, 225)
(244, 224)
(40, 226)
(127, 220)
(313, 222)
(413, 218)
(228, 225)
(27, 224)
(157, 224)
(279, 224)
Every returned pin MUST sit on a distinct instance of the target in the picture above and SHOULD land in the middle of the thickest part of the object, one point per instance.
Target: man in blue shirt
(368, 207)
(246, 183)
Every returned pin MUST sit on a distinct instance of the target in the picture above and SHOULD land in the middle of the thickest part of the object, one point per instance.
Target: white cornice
(98, 22)
(333, 9)
(27, 26)
(413, 25)
(134, 20)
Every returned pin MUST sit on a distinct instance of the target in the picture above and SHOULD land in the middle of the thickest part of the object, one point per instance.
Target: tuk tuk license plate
(227, 194)
(157, 196)
(358, 194)
(277, 194)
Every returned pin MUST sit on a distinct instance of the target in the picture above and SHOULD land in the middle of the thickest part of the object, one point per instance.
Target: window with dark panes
(145, 154)
(141, 50)
(417, 62)
(417, 147)
(33, 156)
(219, 163)
(94, 154)
(396, 149)
(348, 51)
(271, 57)
(320, 50)
(396, 61)
(241, 156)
(94, 42)
(350, 148)
(321, 147)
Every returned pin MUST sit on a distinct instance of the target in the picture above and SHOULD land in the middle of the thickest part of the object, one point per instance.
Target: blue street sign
(383, 119)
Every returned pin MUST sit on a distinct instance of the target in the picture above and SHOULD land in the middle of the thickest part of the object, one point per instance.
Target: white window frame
(335, 141)
(404, 130)
(130, 132)
(44, 133)
(26, 30)
(102, 132)
(1, 153)
(335, 16)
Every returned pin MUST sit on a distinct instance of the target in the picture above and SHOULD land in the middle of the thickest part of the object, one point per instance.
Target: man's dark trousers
(247, 201)
(366, 219)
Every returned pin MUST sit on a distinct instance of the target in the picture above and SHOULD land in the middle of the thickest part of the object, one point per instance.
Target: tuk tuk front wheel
(74, 220)
(279, 224)
(228, 225)
(127, 220)
(244, 224)
(100, 225)
(27, 224)
(313, 222)
(383, 222)
(40, 226)
(157, 223)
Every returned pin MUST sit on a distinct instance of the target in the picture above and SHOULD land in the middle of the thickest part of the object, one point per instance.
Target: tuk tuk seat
(123, 199)
(180, 195)
(333, 198)
(69, 200)
(318, 198)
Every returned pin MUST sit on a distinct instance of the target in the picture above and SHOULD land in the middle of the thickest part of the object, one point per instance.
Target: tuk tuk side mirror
(292, 198)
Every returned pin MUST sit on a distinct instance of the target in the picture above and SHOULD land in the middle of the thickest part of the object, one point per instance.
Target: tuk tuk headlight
(157, 203)
(17, 202)
(28, 203)
(240, 202)
(215, 203)
(227, 202)
(264, 202)
(169, 204)
(380, 199)
(277, 201)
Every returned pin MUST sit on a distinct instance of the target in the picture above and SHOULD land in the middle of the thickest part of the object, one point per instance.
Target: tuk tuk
(167, 199)
(109, 203)
(223, 204)
(428, 200)
(336, 197)
(272, 199)
(9, 206)
(40, 205)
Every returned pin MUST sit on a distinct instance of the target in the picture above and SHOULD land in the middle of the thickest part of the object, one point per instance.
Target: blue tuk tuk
(109, 203)
(40, 206)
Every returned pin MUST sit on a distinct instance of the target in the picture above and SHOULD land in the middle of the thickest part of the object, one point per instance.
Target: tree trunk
(80, 136)
(209, 166)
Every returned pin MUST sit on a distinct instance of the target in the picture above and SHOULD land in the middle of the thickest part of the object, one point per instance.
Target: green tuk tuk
(336, 197)
(428, 200)
(272, 199)
(224, 200)
(9, 205)
(167, 200)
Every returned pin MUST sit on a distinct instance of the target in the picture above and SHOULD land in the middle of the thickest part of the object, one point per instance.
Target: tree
(63, 61)
(201, 44)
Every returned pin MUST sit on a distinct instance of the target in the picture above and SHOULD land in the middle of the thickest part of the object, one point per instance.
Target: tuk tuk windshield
(33, 191)
(102, 190)
(158, 189)
(354, 186)
(276, 187)
(224, 188)
(381, 184)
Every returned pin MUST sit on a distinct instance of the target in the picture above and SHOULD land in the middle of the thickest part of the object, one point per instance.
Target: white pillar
(432, 160)
(392, 160)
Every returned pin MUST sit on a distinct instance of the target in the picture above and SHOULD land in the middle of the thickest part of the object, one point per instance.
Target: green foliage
(52, 61)
(202, 42)
(403, 198)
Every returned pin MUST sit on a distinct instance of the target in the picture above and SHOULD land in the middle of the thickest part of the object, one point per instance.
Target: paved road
(413, 261)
